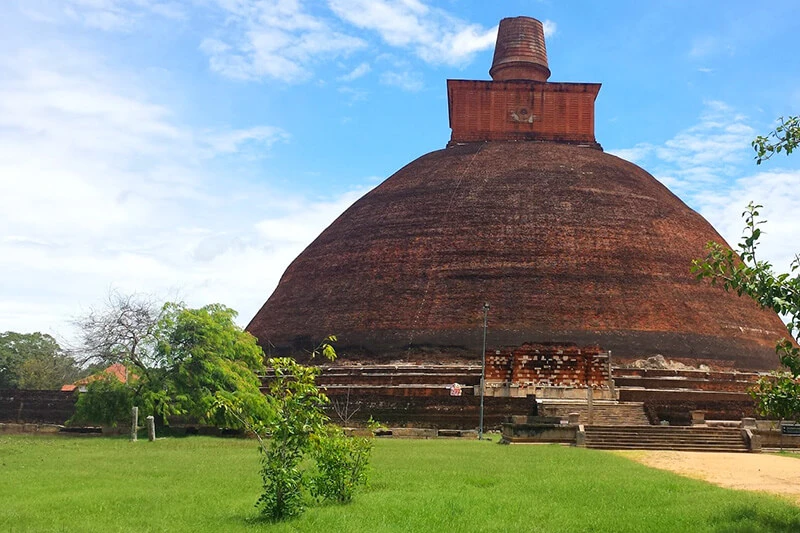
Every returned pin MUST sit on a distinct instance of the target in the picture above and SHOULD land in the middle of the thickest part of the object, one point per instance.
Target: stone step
(717, 449)
(665, 438)
(662, 434)
(670, 442)
(662, 438)
(605, 413)
(668, 430)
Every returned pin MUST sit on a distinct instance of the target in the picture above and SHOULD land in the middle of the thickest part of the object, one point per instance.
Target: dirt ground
(743, 471)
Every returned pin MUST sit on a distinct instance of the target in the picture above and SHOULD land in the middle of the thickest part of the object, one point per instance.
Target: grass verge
(211, 484)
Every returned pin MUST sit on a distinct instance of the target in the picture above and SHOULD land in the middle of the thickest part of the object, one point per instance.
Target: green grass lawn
(210, 484)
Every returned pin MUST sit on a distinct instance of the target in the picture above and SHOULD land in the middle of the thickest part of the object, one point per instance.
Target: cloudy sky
(190, 149)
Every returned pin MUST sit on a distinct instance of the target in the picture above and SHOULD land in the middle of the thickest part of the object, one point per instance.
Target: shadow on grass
(748, 519)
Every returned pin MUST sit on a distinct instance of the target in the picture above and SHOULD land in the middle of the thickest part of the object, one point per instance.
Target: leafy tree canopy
(784, 138)
(34, 361)
(184, 360)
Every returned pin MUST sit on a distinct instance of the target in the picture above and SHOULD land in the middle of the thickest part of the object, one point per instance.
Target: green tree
(777, 396)
(34, 361)
(297, 429)
(185, 360)
(204, 356)
(107, 402)
(297, 406)
(784, 138)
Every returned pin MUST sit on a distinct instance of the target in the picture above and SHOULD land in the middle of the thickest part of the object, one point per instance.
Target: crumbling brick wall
(549, 365)
(36, 406)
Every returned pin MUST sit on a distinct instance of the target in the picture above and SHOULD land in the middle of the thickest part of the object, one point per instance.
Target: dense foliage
(341, 464)
(107, 402)
(198, 363)
(34, 361)
(183, 361)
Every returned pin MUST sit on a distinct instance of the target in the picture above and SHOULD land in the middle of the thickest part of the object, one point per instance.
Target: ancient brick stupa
(522, 210)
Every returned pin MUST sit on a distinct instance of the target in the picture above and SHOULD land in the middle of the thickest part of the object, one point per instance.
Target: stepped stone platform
(666, 438)
(421, 395)
(671, 395)
(602, 412)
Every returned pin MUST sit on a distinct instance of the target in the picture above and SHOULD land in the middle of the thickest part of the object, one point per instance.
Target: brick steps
(665, 438)
(603, 413)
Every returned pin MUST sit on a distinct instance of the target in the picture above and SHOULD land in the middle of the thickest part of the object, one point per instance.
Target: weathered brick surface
(676, 406)
(713, 375)
(538, 364)
(522, 111)
(565, 243)
(400, 375)
(36, 406)
(440, 412)
(520, 52)
(691, 384)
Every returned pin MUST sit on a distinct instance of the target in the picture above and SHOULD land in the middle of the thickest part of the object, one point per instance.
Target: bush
(341, 463)
(106, 402)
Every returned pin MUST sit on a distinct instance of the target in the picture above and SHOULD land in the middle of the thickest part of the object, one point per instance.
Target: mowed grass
(210, 484)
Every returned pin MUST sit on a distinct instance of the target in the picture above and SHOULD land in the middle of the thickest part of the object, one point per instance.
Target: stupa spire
(520, 53)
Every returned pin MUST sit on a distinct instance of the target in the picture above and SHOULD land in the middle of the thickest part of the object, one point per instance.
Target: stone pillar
(698, 418)
(749, 423)
(134, 422)
(151, 428)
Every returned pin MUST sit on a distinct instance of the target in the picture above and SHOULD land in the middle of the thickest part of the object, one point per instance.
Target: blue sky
(191, 149)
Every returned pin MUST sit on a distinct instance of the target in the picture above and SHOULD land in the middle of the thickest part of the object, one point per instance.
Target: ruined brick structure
(518, 105)
(522, 210)
(548, 365)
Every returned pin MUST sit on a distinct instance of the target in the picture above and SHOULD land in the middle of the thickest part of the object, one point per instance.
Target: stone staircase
(695, 439)
(604, 413)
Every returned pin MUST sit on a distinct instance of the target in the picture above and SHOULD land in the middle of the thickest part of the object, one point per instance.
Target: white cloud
(358, 72)
(710, 166)
(637, 154)
(298, 231)
(106, 15)
(435, 36)
(405, 80)
(354, 95)
(275, 39)
(709, 46)
(701, 156)
(779, 193)
(102, 187)
(550, 28)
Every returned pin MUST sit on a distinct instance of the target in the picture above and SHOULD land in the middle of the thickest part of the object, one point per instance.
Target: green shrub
(341, 463)
(106, 402)
(282, 482)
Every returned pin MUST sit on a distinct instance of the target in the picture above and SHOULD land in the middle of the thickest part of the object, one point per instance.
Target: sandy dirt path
(742, 471)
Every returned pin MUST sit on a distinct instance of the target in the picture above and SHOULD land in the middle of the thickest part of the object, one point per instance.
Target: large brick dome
(566, 243)
(524, 211)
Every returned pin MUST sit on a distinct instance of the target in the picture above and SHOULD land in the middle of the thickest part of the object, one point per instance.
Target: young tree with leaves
(297, 429)
(777, 396)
